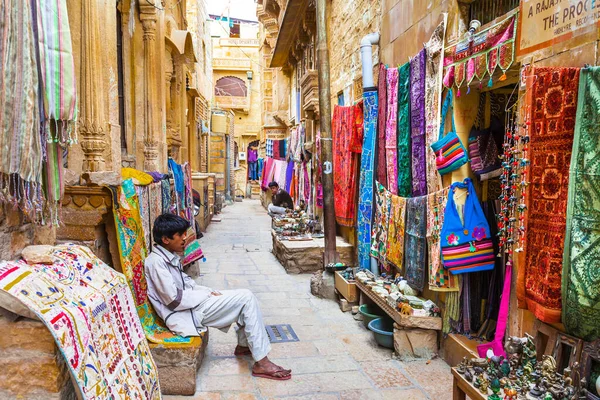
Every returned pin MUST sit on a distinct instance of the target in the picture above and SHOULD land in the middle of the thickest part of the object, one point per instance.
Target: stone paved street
(336, 357)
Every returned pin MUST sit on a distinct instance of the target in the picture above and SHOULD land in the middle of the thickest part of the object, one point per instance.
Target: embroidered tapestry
(381, 221)
(403, 139)
(553, 108)
(382, 88)
(344, 164)
(433, 99)
(391, 151)
(395, 243)
(417, 123)
(480, 55)
(440, 279)
(581, 262)
(87, 307)
(415, 245)
(143, 195)
(367, 162)
(132, 253)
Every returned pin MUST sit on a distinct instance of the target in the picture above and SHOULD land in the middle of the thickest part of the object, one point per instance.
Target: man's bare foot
(265, 368)
(241, 351)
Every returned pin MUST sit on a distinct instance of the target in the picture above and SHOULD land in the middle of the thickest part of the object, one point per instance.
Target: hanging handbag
(483, 150)
(449, 150)
(468, 246)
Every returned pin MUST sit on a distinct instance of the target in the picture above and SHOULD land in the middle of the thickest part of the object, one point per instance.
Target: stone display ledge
(302, 257)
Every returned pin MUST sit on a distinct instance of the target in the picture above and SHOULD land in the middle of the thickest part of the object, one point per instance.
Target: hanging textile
(415, 245)
(359, 125)
(344, 164)
(395, 242)
(553, 109)
(269, 148)
(480, 55)
(319, 177)
(403, 139)
(382, 88)
(88, 309)
(188, 211)
(289, 174)
(21, 152)
(581, 282)
(367, 162)
(57, 69)
(268, 173)
(391, 151)
(417, 123)
(433, 100)
(143, 203)
(132, 253)
(178, 184)
(381, 221)
(440, 279)
(155, 207)
(165, 189)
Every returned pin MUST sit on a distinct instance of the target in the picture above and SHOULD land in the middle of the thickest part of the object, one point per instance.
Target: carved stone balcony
(237, 103)
(309, 85)
(232, 64)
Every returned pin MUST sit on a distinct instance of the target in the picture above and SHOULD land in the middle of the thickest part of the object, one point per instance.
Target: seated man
(189, 309)
(281, 200)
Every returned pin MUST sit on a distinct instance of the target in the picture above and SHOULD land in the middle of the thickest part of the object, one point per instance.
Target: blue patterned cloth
(365, 201)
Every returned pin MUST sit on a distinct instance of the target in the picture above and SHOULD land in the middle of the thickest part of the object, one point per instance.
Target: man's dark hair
(273, 184)
(168, 225)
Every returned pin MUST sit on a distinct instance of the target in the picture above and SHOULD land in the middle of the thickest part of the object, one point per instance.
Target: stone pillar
(148, 17)
(92, 127)
(177, 103)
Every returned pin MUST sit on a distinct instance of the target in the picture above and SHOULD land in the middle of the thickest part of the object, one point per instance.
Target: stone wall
(16, 233)
(350, 21)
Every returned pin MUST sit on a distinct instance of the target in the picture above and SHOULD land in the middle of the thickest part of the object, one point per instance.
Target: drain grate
(281, 334)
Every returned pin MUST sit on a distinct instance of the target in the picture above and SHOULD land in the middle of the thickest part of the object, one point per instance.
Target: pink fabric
(391, 150)
(497, 345)
(449, 77)
(268, 173)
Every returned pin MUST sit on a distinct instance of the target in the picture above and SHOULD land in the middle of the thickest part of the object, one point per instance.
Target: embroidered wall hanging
(381, 219)
(88, 308)
(479, 56)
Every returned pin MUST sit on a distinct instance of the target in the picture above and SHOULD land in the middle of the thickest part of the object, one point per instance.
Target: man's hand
(215, 293)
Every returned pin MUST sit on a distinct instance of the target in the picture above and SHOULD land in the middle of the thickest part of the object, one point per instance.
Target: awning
(290, 26)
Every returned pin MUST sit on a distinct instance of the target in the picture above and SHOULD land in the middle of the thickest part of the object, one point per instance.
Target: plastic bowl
(383, 329)
(369, 313)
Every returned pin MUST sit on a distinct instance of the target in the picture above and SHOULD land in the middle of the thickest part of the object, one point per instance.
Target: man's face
(175, 244)
(274, 190)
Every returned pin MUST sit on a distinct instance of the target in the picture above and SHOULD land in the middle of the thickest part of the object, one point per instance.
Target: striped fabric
(21, 151)
(57, 69)
(469, 257)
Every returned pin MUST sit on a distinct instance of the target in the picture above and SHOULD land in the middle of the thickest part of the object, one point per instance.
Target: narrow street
(335, 358)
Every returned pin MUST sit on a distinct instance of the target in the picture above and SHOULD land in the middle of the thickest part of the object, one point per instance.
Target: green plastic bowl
(369, 313)
(383, 329)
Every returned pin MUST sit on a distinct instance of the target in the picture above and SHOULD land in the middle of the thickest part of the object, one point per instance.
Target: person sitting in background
(189, 309)
(281, 200)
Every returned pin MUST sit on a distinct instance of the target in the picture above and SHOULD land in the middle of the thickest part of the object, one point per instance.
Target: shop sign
(276, 133)
(546, 22)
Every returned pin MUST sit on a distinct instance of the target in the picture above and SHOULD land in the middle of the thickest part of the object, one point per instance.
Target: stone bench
(178, 365)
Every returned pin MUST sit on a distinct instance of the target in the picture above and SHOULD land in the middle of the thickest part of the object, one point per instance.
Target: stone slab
(301, 257)
(415, 343)
(410, 321)
(178, 365)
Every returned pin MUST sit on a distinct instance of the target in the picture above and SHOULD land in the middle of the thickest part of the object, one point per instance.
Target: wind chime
(515, 162)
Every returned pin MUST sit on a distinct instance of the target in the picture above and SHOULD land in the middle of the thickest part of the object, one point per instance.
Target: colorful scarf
(188, 211)
(395, 242)
(403, 139)
(344, 164)
(155, 207)
(21, 152)
(367, 162)
(87, 307)
(319, 175)
(179, 184)
(433, 100)
(554, 106)
(580, 279)
(381, 163)
(165, 191)
(417, 123)
(440, 280)
(132, 253)
(358, 135)
(57, 69)
(144, 206)
(391, 151)
(381, 220)
(415, 245)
